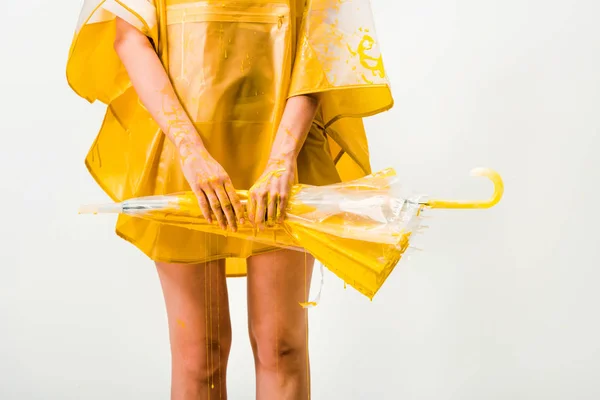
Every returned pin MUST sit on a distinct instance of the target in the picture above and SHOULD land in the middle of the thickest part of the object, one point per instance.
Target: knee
(202, 358)
(283, 349)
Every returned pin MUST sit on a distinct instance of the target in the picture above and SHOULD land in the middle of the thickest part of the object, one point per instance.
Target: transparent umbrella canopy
(359, 229)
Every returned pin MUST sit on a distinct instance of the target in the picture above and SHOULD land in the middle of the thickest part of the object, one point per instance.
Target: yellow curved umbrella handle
(498, 192)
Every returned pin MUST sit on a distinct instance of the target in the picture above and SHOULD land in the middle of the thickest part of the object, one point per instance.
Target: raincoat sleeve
(94, 70)
(338, 56)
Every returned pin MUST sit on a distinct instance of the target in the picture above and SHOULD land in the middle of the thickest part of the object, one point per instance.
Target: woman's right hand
(206, 177)
(212, 187)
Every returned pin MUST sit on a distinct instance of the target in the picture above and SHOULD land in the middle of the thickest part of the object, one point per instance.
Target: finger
(272, 207)
(251, 206)
(235, 201)
(216, 207)
(226, 206)
(282, 206)
(261, 209)
(203, 204)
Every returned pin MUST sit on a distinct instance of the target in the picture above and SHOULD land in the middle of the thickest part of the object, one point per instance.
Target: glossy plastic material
(233, 64)
(359, 229)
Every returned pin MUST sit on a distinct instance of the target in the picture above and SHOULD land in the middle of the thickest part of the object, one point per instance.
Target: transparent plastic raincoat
(233, 65)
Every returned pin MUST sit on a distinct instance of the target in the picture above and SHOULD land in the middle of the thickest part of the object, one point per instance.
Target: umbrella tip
(113, 208)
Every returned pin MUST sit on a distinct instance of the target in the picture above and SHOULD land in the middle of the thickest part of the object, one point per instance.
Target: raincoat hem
(335, 88)
(359, 115)
(99, 182)
(195, 261)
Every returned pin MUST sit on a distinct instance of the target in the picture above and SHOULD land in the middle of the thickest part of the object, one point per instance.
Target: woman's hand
(212, 186)
(205, 175)
(268, 197)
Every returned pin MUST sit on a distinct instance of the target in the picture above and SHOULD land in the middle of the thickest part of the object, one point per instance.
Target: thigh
(197, 306)
(277, 283)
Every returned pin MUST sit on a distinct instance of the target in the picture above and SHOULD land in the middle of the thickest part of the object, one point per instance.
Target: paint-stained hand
(268, 197)
(212, 187)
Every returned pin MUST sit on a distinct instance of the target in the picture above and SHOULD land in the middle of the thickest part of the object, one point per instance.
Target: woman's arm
(206, 177)
(153, 86)
(296, 121)
(269, 195)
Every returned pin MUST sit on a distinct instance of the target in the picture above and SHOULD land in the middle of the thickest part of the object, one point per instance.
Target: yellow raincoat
(233, 65)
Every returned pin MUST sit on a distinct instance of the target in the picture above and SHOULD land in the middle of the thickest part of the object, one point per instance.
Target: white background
(502, 304)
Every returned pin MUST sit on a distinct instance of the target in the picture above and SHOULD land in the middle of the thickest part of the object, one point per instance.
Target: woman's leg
(199, 328)
(277, 283)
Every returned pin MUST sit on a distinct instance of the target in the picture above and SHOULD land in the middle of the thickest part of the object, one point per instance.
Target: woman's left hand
(268, 197)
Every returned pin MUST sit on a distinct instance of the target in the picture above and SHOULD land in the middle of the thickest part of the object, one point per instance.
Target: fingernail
(242, 221)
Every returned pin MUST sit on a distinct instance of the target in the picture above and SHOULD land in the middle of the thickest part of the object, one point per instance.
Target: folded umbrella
(359, 229)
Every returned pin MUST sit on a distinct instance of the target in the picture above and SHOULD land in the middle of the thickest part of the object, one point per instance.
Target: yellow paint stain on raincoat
(233, 65)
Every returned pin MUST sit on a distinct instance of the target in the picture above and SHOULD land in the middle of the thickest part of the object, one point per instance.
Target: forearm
(153, 86)
(296, 121)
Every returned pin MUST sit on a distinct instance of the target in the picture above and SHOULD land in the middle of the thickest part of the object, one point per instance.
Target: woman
(217, 95)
